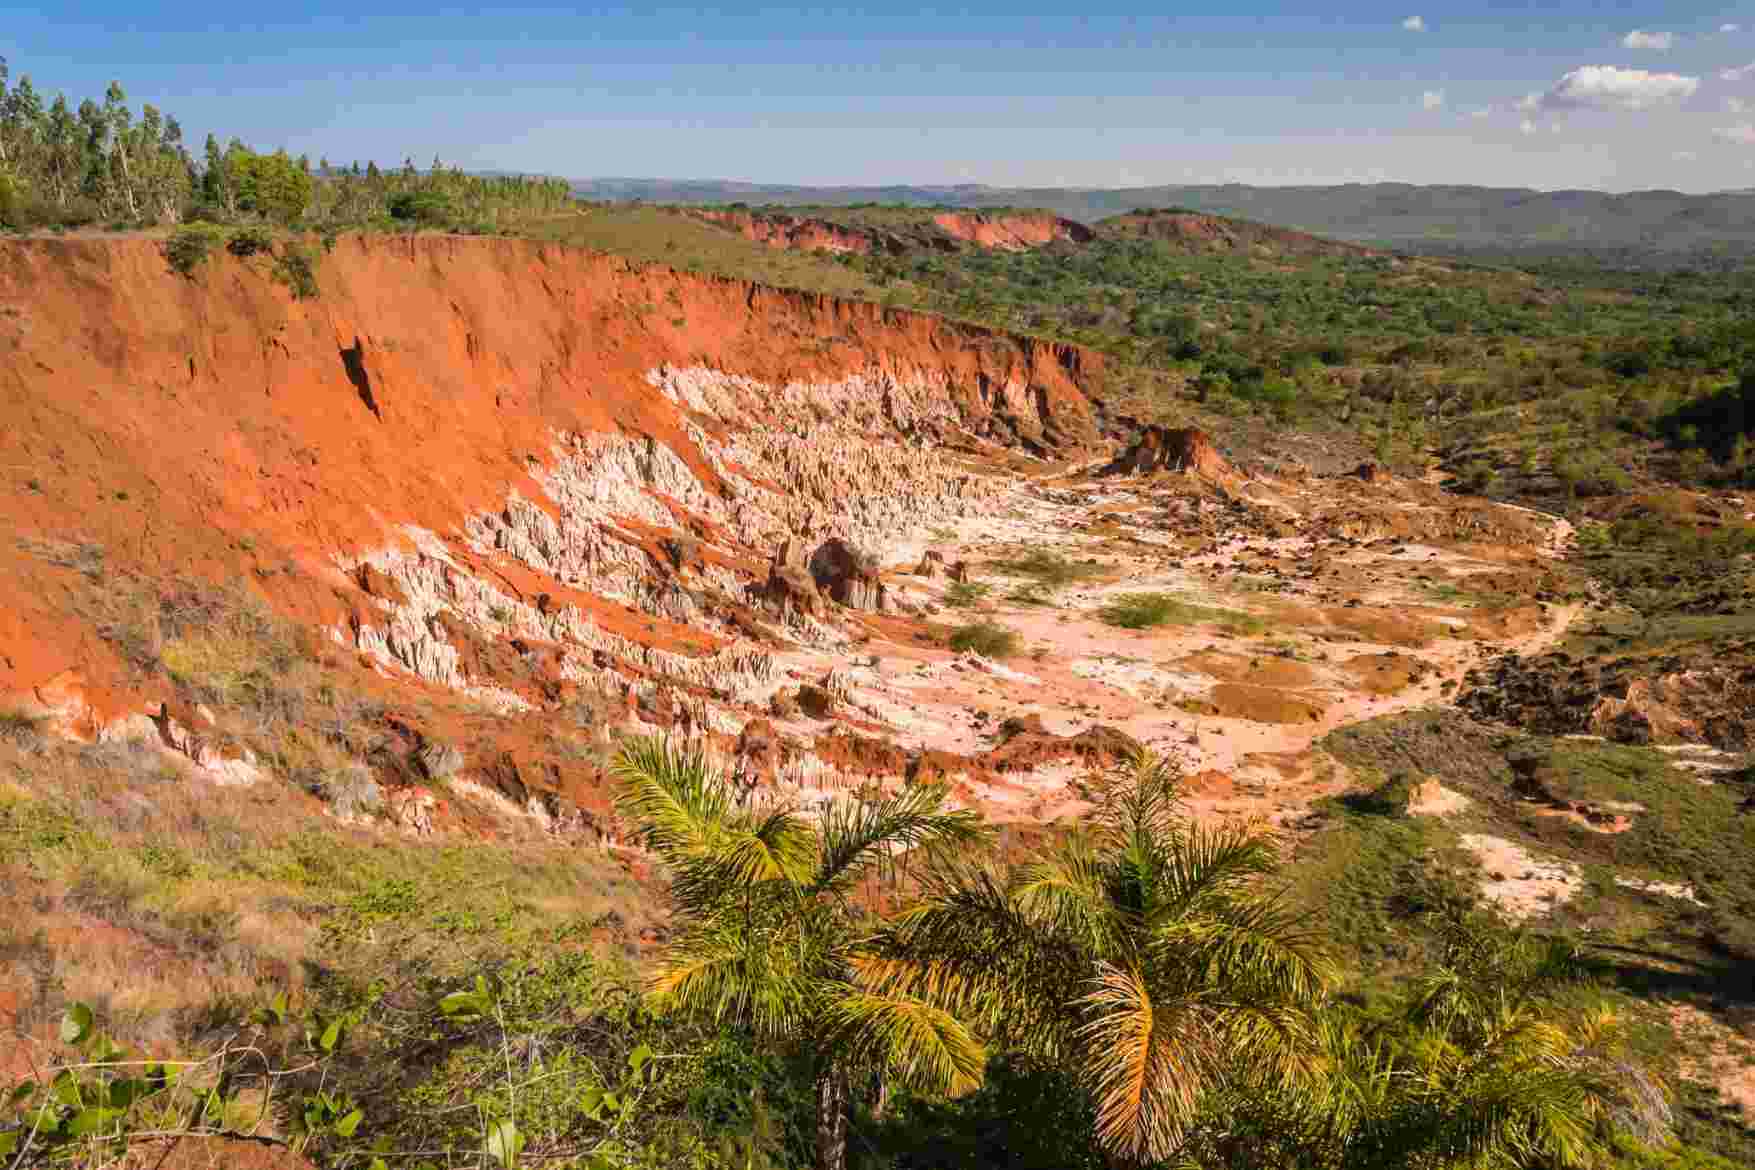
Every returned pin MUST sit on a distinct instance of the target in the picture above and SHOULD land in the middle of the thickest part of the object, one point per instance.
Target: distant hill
(1663, 224)
(1198, 232)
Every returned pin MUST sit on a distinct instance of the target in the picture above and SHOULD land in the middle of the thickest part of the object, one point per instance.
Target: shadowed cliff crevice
(354, 362)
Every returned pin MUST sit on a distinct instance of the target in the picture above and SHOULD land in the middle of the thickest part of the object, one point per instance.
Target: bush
(965, 594)
(426, 207)
(1141, 611)
(296, 267)
(1047, 569)
(186, 250)
(247, 241)
(987, 638)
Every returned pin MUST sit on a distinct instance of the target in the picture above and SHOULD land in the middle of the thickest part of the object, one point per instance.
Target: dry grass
(130, 882)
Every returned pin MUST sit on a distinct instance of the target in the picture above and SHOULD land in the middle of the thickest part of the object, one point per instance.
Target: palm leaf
(922, 1046)
(1150, 1061)
(856, 834)
(679, 800)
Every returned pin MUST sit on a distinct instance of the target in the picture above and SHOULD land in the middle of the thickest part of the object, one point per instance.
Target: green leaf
(638, 1057)
(461, 1003)
(331, 1036)
(377, 1164)
(504, 1142)
(103, 1049)
(8, 1142)
(348, 1124)
(20, 1091)
(278, 1007)
(124, 1092)
(76, 1024)
(92, 1121)
(66, 1089)
(592, 1102)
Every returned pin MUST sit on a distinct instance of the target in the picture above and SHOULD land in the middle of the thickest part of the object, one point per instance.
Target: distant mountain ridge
(1398, 215)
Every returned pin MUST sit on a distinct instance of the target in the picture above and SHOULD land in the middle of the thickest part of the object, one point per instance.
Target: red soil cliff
(214, 427)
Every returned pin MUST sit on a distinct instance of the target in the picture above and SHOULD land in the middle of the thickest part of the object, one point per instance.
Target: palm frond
(968, 948)
(679, 800)
(774, 846)
(723, 973)
(856, 834)
(920, 1045)
(1206, 866)
(1250, 948)
(1150, 1063)
(1069, 893)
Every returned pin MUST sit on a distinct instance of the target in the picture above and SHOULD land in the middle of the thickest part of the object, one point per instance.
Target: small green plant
(99, 1100)
(987, 638)
(966, 594)
(188, 248)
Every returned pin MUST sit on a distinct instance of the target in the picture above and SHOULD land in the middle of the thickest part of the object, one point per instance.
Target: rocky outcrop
(1686, 699)
(1181, 449)
(848, 576)
(493, 364)
(1011, 232)
(801, 233)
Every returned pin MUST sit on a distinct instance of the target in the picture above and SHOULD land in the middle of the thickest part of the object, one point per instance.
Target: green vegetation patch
(987, 638)
(1144, 611)
(967, 594)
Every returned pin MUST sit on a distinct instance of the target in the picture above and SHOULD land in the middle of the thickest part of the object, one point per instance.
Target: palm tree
(1143, 950)
(1504, 1056)
(1507, 1055)
(769, 931)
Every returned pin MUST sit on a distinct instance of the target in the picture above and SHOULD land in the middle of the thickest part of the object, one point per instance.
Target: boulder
(847, 576)
(790, 590)
(759, 755)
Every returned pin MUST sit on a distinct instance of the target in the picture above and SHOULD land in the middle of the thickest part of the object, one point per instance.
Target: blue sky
(1611, 95)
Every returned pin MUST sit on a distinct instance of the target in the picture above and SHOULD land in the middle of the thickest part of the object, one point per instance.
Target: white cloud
(1740, 135)
(1606, 87)
(1415, 24)
(1727, 29)
(1657, 42)
(1432, 99)
(1740, 73)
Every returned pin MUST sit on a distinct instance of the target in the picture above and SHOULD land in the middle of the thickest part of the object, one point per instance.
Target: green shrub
(247, 241)
(1142, 611)
(296, 267)
(964, 594)
(987, 638)
(186, 250)
(424, 207)
(1048, 569)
